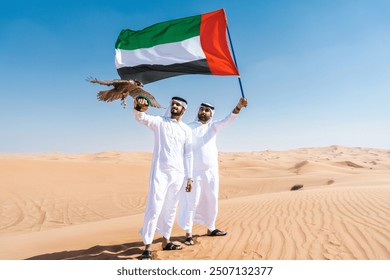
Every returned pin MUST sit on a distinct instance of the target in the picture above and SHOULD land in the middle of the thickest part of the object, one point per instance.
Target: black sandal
(189, 241)
(146, 255)
(217, 232)
(171, 246)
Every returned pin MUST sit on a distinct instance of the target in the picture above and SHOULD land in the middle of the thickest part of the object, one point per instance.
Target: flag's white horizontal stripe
(165, 54)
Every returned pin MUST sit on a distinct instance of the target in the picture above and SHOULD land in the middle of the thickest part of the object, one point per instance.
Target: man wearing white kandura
(171, 170)
(201, 204)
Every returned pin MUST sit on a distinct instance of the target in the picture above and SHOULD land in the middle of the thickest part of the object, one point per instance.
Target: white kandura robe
(201, 204)
(171, 165)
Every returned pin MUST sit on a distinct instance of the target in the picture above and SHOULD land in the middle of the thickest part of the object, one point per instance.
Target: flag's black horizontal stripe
(151, 73)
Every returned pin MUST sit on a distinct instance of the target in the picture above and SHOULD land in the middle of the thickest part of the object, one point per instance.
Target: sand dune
(90, 206)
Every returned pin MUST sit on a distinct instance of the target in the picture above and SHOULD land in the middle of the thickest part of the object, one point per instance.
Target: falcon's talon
(123, 103)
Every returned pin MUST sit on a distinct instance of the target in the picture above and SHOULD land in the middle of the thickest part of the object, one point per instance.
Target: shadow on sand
(126, 251)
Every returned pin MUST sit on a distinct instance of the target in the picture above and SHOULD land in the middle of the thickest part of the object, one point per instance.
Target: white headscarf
(178, 100)
(208, 105)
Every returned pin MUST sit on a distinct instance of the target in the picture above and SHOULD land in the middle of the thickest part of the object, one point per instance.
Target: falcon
(122, 89)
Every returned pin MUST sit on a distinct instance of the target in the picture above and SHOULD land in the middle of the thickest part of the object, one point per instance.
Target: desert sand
(90, 206)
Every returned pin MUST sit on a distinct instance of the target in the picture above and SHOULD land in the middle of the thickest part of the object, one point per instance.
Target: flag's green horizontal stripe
(160, 33)
(165, 54)
(151, 73)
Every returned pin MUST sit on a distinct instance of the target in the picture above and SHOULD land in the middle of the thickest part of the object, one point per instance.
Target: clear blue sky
(315, 72)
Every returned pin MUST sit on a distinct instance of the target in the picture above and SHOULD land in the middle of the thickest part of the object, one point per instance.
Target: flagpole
(235, 61)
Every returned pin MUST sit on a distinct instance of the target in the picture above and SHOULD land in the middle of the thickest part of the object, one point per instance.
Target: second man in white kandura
(201, 204)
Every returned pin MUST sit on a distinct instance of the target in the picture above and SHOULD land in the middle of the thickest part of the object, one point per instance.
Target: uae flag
(191, 45)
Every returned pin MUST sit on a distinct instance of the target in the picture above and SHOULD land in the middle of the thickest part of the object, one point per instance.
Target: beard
(203, 117)
(176, 113)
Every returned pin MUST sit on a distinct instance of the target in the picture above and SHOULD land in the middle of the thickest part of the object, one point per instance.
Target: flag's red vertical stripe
(215, 45)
